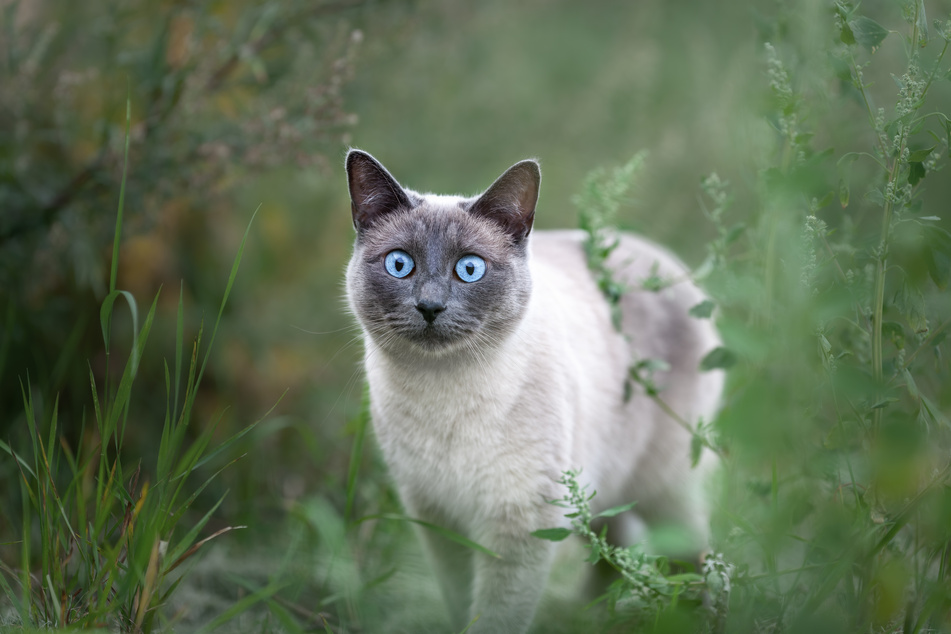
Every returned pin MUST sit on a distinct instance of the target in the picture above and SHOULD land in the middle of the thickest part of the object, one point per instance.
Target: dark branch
(269, 37)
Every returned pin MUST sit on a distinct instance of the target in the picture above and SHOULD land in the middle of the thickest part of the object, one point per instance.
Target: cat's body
(482, 393)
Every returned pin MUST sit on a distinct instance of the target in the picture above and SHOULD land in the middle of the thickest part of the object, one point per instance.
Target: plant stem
(881, 260)
(880, 270)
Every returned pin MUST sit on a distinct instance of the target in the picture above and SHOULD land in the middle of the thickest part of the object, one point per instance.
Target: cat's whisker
(325, 332)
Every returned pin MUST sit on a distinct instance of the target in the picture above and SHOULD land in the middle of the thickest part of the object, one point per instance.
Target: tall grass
(103, 539)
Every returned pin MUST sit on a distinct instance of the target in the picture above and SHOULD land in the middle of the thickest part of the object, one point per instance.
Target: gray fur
(519, 378)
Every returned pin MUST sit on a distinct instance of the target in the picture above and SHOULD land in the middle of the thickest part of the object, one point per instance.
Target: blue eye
(398, 263)
(470, 268)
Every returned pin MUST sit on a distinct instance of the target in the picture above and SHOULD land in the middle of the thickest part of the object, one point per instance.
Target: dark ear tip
(532, 168)
(354, 155)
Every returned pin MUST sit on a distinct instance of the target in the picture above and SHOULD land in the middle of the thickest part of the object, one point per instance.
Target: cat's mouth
(435, 337)
(404, 332)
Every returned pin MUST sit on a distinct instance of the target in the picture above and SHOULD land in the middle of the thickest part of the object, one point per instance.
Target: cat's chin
(430, 341)
(439, 346)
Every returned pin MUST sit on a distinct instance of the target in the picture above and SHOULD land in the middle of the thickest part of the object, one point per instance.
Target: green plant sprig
(603, 193)
(645, 589)
(601, 196)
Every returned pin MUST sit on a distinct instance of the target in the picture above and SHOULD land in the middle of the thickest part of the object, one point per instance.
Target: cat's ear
(510, 201)
(373, 192)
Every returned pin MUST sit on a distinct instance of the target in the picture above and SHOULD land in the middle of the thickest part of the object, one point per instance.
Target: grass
(828, 269)
(101, 541)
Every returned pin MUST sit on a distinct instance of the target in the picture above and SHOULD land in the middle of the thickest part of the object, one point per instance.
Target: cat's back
(656, 325)
(658, 293)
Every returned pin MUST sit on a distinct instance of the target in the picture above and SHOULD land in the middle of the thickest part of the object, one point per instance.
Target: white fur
(477, 442)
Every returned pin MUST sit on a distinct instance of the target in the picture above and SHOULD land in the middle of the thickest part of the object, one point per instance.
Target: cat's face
(437, 274)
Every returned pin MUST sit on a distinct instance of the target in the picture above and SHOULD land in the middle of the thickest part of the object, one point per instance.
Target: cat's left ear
(374, 193)
(511, 199)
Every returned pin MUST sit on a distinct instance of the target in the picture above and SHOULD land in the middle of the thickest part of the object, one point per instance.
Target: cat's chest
(454, 439)
(438, 413)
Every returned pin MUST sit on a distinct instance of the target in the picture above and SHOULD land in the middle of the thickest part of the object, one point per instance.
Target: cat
(493, 367)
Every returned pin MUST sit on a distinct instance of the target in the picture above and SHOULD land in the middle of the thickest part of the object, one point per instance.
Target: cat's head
(438, 274)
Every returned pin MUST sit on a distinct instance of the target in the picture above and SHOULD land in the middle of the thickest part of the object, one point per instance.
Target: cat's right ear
(511, 199)
(373, 192)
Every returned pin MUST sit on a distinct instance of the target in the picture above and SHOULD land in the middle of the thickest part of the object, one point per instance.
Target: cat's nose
(430, 309)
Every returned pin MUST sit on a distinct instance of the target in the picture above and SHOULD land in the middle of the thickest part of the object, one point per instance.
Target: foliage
(218, 91)
(646, 586)
(837, 448)
(107, 543)
(601, 196)
(835, 452)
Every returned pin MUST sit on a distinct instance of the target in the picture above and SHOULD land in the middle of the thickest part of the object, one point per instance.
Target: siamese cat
(493, 366)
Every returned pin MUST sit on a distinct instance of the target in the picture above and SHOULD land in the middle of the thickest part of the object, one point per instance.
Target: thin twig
(266, 39)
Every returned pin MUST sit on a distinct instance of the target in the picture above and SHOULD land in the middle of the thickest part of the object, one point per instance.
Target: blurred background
(240, 106)
(237, 106)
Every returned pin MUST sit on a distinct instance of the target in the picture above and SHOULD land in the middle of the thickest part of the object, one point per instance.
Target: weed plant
(834, 438)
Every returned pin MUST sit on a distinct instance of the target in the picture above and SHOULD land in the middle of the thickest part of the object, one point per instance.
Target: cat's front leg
(507, 590)
(451, 561)
(452, 564)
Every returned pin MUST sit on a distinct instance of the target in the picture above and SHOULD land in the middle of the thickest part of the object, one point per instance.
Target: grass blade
(224, 299)
(445, 532)
(244, 604)
(357, 452)
(113, 273)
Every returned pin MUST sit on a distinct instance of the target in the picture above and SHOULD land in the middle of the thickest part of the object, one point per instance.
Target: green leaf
(910, 302)
(910, 383)
(934, 412)
(552, 534)
(826, 200)
(885, 402)
(868, 32)
(922, 24)
(696, 449)
(616, 510)
(595, 555)
(719, 357)
(875, 196)
(702, 310)
(845, 33)
(735, 232)
(920, 155)
(650, 366)
(843, 193)
(938, 255)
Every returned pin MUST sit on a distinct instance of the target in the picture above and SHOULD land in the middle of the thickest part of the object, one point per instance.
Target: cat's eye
(470, 268)
(398, 263)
